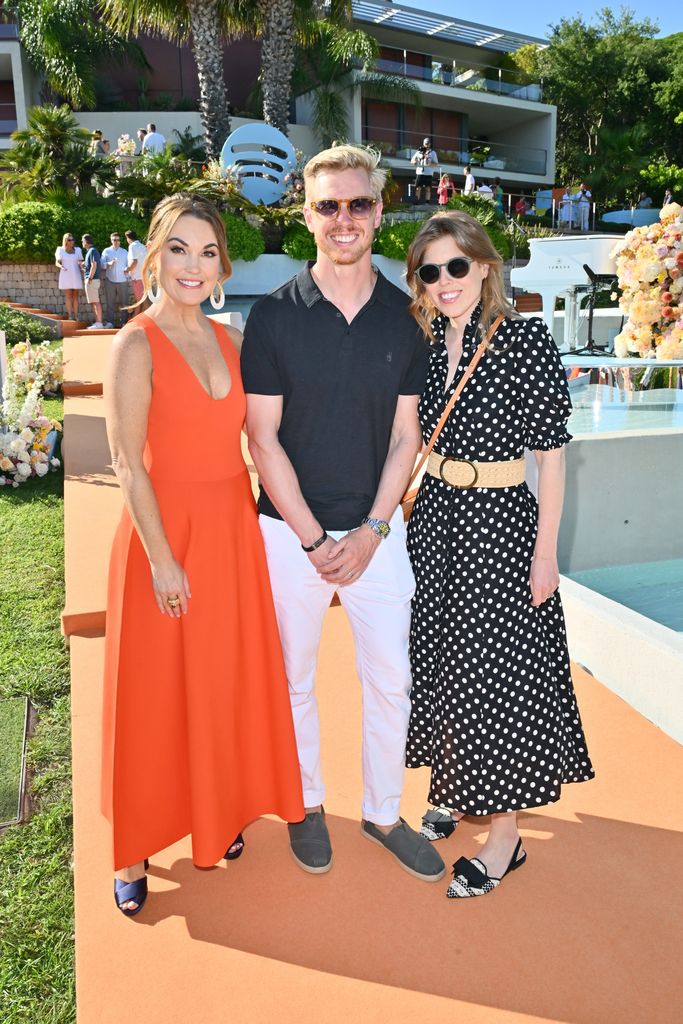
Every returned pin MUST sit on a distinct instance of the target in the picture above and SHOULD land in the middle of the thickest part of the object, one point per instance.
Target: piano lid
(559, 260)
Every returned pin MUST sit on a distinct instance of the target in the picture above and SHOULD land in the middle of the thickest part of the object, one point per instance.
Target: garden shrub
(298, 243)
(245, 242)
(102, 221)
(393, 241)
(20, 326)
(30, 232)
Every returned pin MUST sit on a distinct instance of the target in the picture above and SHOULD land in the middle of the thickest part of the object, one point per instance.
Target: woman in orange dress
(198, 735)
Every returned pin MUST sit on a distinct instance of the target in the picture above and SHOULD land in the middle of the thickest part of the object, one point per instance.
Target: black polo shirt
(340, 384)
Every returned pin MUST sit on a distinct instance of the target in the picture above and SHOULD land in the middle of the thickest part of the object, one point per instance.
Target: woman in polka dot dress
(493, 706)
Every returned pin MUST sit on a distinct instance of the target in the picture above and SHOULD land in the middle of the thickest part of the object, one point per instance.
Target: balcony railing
(463, 75)
(498, 157)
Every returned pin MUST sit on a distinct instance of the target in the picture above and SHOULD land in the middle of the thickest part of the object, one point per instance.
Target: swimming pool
(654, 589)
(601, 409)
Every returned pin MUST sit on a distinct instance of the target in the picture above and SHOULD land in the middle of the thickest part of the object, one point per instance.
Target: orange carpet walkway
(589, 932)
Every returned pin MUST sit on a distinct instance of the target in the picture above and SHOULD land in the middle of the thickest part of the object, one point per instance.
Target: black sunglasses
(359, 208)
(459, 266)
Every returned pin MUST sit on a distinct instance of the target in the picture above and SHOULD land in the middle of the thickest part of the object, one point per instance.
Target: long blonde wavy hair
(164, 218)
(473, 241)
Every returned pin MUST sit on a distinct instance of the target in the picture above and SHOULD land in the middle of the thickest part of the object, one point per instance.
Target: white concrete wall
(638, 659)
(623, 500)
(114, 123)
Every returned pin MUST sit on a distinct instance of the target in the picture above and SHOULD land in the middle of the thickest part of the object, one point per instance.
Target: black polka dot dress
(493, 706)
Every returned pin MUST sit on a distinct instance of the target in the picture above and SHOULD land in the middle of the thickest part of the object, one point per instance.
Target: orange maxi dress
(197, 730)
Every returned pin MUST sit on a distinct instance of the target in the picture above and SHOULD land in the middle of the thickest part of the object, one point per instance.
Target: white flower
(23, 457)
(2, 481)
(41, 469)
(55, 462)
(23, 469)
(26, 435)
(17, 445)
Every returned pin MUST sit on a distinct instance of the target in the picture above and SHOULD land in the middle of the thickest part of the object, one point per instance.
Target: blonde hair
(164, 217)
(473, 241)
(68, 234)
(348, 157)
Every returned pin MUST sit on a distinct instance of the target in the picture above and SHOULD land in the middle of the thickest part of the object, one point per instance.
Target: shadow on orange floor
(368, 920)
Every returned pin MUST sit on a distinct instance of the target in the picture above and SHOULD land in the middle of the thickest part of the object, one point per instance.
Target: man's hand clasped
(343, 561)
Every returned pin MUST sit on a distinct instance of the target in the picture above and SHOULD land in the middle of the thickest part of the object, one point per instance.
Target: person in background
(668, 197)
(141, 133)
(96, 146)
(498, 195)
(424, 159)
(136, 258)
(644, 202)
(583, 200)
(445, 189)
(114, 264)
(565, 217)
(92, 275)
(69, 259)
(485, 191)
(154, 141)
(470, 183)
(522, 206)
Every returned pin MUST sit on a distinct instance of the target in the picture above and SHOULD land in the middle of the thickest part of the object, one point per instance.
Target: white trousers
(378, 607)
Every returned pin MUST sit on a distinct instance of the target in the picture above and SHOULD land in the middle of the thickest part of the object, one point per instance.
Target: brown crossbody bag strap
(474, 362)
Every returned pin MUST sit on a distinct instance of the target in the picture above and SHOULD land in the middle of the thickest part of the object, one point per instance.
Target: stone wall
(35, 284)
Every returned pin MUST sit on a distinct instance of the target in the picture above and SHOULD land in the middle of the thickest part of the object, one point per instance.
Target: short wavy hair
(347, 157)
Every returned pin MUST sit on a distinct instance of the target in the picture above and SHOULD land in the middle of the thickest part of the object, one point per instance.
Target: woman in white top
(69, 259)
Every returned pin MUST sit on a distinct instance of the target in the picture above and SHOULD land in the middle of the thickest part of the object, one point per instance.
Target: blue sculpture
(258, 157)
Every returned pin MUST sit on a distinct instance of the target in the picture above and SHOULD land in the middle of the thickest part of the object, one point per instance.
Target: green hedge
(19, 326)
(30, 232)
(298, 242)
(394, 241)
(245, 242)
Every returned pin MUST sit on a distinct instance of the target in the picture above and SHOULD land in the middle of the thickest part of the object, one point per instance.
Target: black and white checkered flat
(470, 877)
(437, 824)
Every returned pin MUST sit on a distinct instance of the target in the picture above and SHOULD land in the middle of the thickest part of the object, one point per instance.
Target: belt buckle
(468, 462)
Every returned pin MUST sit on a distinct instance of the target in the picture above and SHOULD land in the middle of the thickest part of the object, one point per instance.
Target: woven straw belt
(463, 474)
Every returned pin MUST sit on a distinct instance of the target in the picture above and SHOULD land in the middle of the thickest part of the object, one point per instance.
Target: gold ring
(173, 602)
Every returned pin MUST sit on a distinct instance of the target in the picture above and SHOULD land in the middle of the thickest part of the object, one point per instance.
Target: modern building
(471, 105)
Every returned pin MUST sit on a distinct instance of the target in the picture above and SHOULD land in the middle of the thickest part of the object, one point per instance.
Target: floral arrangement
(125, 146)
(650, 270)
(28, 362)
(26, 436)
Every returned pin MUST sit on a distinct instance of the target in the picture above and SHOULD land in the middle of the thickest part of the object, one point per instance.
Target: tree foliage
(67, 44)
(618, 90)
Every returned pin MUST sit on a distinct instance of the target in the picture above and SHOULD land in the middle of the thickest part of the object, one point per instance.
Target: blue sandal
(131, 891)
(135, 891)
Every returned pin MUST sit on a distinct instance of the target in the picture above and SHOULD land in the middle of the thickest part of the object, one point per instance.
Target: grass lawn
(12, 714)
(36, 885)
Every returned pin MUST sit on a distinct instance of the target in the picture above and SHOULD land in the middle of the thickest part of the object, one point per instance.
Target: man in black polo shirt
(333, 367)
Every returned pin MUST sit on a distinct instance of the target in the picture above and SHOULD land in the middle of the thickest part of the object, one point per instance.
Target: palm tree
(325, 70)
(277, 59)
(52, 155)
(67, 45)
(205, 23)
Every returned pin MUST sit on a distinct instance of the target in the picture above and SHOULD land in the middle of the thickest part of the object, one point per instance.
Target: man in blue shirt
(116, 290)
(91, 273)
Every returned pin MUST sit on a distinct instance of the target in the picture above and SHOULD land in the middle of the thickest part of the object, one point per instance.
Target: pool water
(601, 409)
(654, 589)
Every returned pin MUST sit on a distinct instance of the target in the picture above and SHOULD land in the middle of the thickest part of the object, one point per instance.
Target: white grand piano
(556, 268)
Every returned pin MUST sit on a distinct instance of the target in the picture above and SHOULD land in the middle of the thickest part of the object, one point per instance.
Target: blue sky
(523, 15)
